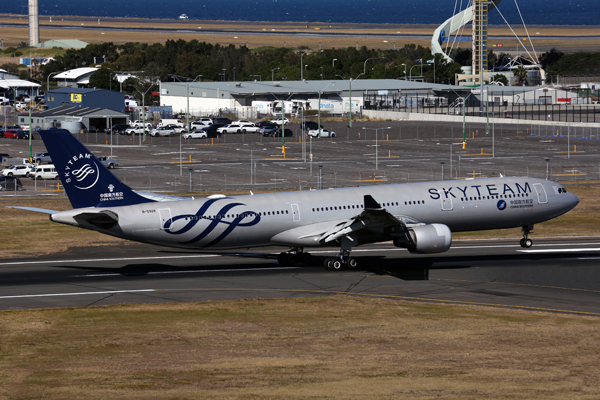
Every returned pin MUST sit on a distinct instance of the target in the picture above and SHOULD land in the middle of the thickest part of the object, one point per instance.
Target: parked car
(279, 121)
(162, 131)
(44, 172)
(195, 134)
(268, 130)
(310, 125)
(42, 158)
(17, 170)
(201, 123)
(239, 128)
(277, 133)
(243, 122)
(117, 128)
(109, 162)
(12, 133)
(176, 128)
(321, 133)
(265, 124)
(221, 120)
(25, 135)
(140, 123)
(10, 183)
(211, 131)
(6, 128)
(136, 130)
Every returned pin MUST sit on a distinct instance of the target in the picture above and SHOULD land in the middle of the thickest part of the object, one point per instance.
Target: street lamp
(376, 145)
(48, 80)
(333, 63)
(350, 97)
(254, 77)
(199, 76)
(365, 66)
(547, 167)
(404, 71)
(234, 74)
(301, 67)
(417, 65)
(321, 73)
(273, 73)
(223, 73)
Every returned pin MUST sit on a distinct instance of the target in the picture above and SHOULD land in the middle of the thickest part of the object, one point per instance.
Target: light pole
(143, 110)
(110, 81)
(350, 98)
(547, 167)
(48, 80)
(273, 73)
(199, 76)
(234, 74)
(321, 73)
(376, 145)
(223, 73)
(404, 71)
(301, 67)
(333, 63)
(365, 66)
(421, 65)
(442, 170)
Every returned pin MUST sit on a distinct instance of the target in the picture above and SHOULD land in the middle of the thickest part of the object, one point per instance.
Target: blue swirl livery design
(238, 218)
(87, 182)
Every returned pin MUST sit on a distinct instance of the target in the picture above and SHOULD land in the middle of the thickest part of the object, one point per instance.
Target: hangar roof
(79, 112)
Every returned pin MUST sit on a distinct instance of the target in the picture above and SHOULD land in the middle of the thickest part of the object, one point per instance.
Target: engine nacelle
(428, 239)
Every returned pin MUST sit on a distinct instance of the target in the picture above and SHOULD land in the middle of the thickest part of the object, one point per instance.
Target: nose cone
(572, 201)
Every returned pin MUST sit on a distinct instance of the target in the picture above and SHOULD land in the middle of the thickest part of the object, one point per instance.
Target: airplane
(420, 217)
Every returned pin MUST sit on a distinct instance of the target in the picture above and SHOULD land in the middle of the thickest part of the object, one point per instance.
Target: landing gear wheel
(328, 264)
(338, 265)
(352, 263)
(307, 258)
(526, 243)
(286, 259)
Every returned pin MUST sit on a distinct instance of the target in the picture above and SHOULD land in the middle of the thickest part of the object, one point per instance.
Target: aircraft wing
(374, 223)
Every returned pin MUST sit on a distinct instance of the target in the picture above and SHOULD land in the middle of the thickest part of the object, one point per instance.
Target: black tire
(244, 131)
(328, 264)
(337, 265)
(111, 166)
(10, 174)
(307, 258)
(238, 131)
(352, 263)
(528, 243)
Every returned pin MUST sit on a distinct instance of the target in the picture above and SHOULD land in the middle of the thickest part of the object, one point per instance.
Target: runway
(558, 275)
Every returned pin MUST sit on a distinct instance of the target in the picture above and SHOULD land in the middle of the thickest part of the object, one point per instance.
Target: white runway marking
(76, 294)
(559, 250)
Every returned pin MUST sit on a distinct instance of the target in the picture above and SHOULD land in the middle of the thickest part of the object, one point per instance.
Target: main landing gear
(294, 256)
(341, 262)
(526, 242)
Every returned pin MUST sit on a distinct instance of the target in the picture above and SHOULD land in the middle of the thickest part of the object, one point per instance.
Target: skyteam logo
(82, 172)
(501, 205)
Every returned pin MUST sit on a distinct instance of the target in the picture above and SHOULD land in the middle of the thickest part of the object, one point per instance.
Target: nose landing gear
(526, 242)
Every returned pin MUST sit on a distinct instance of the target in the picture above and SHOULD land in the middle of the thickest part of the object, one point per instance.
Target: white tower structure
(34, 23)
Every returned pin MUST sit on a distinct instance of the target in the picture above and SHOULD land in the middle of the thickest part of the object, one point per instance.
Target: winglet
(87, 181)
(370, 203)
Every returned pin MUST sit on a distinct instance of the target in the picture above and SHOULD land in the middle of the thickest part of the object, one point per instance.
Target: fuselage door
(446, 202)
(165, 216)
(541, 193)
(296, 212)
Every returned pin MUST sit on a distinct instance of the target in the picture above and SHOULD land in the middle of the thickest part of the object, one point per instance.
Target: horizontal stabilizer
(35, 209)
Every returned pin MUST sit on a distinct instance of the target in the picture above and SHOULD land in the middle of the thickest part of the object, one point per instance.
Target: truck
(109, 162)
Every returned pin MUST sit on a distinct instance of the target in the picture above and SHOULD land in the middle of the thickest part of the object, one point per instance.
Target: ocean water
(534, 12)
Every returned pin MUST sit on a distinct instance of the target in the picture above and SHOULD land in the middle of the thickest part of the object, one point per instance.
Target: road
(558, 275)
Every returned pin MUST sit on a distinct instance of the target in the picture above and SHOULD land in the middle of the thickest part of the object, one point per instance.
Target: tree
(102, 79)
(500, 78)
(521, 74)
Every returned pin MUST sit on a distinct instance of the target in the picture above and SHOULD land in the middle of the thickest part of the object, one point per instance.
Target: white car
(201, 123)
(238, 128)
(197, 134)
(17, 170)
(278, 121)
(324, 133)
(136, 130)
(162, 131)
(139, 124)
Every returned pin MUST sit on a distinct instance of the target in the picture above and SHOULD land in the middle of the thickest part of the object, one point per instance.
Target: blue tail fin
(87, 181)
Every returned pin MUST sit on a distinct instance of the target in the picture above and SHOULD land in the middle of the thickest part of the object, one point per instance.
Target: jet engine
(427, 239)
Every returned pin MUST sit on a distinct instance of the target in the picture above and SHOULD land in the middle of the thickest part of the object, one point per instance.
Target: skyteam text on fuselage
(418, 216)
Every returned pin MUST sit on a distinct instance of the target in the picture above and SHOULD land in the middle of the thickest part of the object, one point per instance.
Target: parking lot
(371, 152)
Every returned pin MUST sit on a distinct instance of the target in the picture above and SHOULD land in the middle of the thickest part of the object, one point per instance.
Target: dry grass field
(339, 347)
(14, 36)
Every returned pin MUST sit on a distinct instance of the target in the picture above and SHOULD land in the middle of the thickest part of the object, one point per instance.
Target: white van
(165, 122)
(45, 172)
